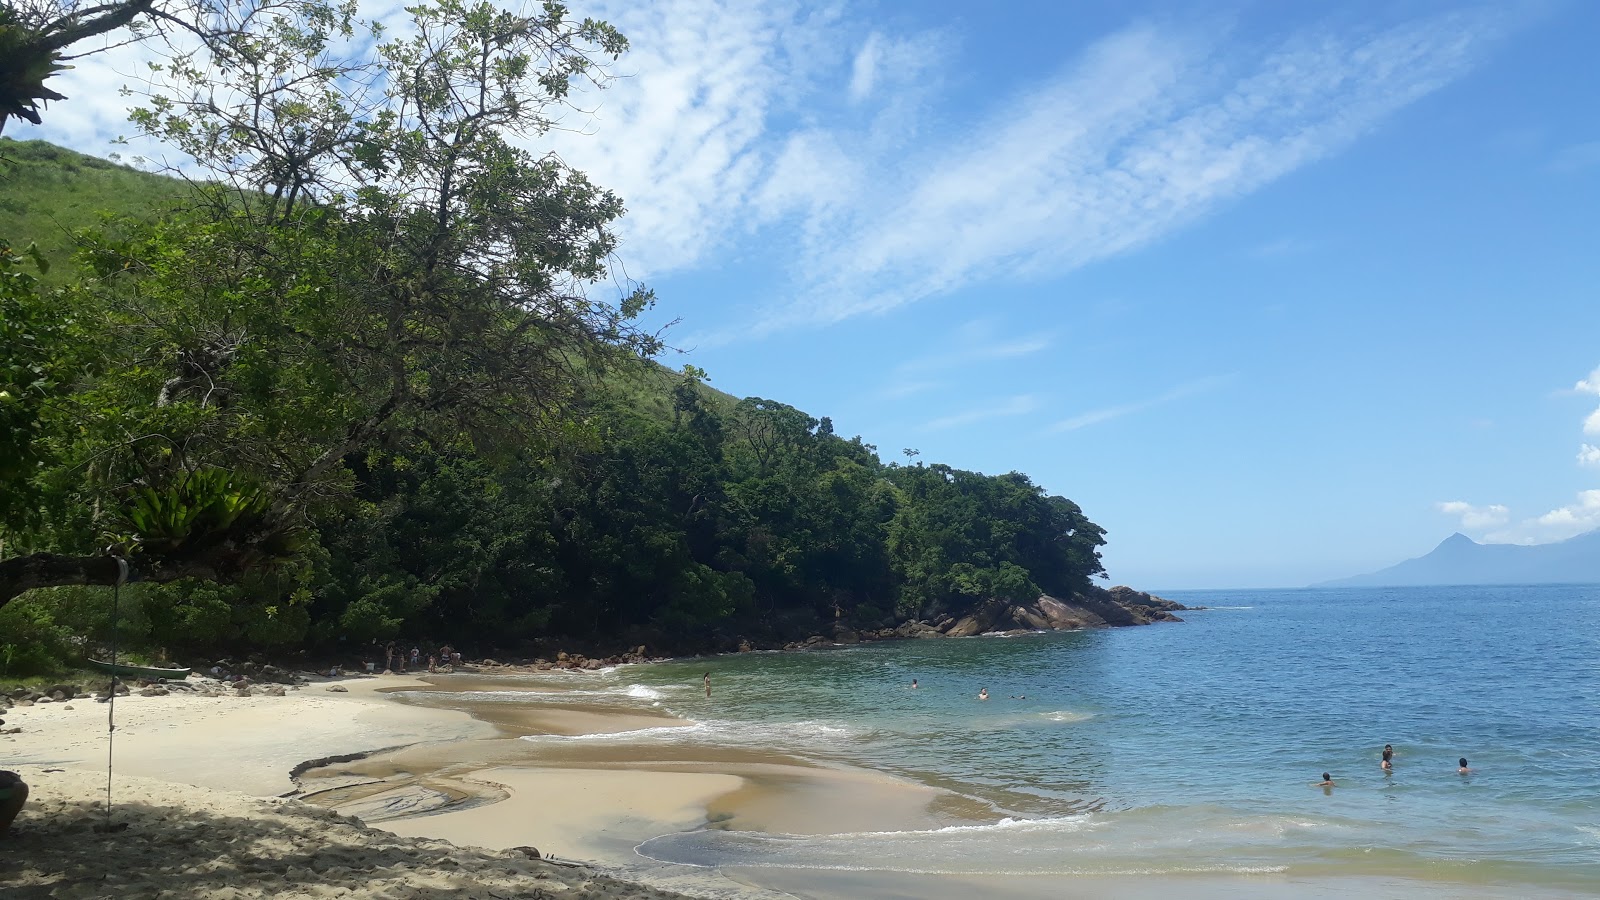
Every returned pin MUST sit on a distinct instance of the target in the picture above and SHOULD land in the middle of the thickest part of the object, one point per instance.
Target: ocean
(1193, 749)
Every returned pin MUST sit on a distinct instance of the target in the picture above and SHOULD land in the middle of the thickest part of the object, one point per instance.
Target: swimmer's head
(1326, 777)
(1463, 762)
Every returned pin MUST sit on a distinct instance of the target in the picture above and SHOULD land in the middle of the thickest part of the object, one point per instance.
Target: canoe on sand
(150, 672)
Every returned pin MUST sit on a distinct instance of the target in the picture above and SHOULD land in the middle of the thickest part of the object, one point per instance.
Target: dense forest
(372, 378)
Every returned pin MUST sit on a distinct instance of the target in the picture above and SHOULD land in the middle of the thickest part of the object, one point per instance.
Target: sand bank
(182, 841)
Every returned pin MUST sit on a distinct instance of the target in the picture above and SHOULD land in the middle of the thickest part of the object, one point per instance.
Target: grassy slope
(48, 192)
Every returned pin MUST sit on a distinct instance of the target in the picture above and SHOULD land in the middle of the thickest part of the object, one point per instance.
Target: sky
(1276, 292)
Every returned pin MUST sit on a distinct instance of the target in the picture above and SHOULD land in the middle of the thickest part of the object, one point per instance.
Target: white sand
(246, 744)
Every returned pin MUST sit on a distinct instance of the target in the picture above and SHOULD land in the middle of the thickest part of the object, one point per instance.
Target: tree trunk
(24, 573)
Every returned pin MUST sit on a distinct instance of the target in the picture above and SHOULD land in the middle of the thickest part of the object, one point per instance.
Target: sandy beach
(196, 787)
(435, 801)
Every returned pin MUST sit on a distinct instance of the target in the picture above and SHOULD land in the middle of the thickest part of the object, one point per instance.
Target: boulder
(154, 690)
(338, 689)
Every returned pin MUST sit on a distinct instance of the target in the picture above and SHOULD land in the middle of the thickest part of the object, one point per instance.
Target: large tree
(40, 38)
(376, 259)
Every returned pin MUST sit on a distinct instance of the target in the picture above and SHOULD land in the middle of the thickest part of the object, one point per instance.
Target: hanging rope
(111, 691)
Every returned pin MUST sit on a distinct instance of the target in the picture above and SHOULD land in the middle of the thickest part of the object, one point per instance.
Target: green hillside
(214, 358)
(48, 192)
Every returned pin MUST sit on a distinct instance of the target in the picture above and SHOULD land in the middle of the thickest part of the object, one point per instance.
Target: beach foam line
(777, 735)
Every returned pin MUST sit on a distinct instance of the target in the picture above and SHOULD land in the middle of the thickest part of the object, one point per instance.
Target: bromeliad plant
(194, 512)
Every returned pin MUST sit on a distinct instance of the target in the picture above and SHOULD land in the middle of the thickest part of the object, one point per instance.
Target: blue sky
(1277, 292)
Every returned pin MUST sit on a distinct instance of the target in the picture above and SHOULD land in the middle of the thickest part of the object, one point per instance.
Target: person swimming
(1327, 781)
(983, 694)
(913, 684)
(1463, 769)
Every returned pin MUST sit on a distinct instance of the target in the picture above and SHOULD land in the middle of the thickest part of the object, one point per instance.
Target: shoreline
(394, 790)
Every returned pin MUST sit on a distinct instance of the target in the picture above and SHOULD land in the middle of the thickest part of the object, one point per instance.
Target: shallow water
(1191, 749)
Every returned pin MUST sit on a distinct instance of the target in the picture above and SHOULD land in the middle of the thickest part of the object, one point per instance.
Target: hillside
(49, 192)
(1461, 560)
(639, 508)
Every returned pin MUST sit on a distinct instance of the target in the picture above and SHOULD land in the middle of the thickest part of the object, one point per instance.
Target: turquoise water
(1193, 748)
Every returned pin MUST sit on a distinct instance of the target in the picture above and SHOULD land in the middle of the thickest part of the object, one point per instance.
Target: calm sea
(1193, 748)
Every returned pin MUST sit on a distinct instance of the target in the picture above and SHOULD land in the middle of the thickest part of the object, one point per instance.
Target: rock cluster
(1094, 608)
(565, 660)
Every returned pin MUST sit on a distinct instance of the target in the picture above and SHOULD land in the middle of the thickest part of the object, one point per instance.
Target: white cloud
(1476, 518)
(1590, 385)
(1577, 518)
(1589, 455)
(1095, 417)
(1014, 406)
(1591, 425)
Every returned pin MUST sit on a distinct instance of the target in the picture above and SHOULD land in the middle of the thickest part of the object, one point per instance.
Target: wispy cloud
(1095, 417)
(1279, 247)
(812, 138)
(974, 343)
(1021, 404)
(1143, 134)
(1575, 158)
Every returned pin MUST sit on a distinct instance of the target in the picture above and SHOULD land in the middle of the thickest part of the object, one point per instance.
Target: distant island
(1461, 560)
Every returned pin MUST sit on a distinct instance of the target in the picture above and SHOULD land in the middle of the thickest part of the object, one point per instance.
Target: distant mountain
(1462, 560)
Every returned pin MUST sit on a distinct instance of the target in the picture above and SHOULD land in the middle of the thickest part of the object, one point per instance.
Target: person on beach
(388, 656)
(416, 658)
(983, 694)
(707, 679)
(1463, 769)
(13, 793)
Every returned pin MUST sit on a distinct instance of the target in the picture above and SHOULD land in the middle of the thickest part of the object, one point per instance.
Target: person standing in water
(1327, 781)
(1388, 758)
(913, 684)
(983, 694)
(707, 680)
(1463, 768)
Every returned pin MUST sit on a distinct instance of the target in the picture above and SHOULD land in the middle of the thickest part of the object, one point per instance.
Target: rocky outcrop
(1094, 608)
